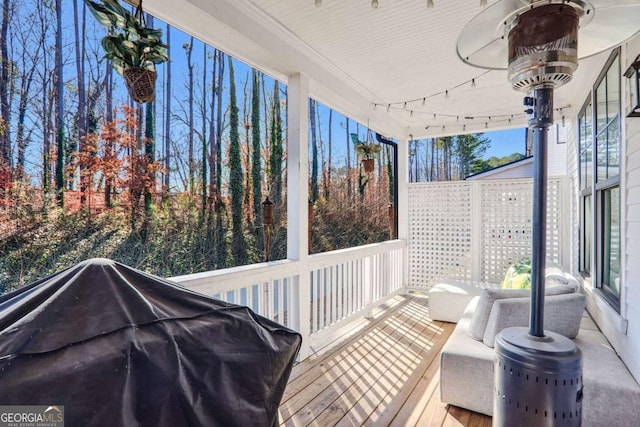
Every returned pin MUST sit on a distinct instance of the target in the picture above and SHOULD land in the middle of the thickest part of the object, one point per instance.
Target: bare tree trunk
(188, 48)
(81, 120)
(219, 123)
(203, 175)
(246, 154)
(109, 143)
(349, 189)
(212, 136)
(5, 137)
(167, 123)
(329, 160)
(59, 107)
(314, 150)
(28, 66)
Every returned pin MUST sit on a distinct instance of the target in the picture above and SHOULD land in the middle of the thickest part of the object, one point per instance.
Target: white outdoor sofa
(611, 395)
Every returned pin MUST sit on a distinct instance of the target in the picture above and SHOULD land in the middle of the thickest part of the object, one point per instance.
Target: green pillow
(518, 276)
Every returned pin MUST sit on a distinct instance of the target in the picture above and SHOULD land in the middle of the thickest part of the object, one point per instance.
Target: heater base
(537, 380)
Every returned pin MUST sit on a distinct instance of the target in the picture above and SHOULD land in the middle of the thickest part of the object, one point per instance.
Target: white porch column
(403, 204)
(297, 200)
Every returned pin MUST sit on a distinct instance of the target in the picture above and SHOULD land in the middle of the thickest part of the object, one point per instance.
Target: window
(599, 175)
(585, 126)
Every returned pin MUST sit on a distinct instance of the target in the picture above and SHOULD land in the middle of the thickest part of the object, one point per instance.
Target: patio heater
(537, 373)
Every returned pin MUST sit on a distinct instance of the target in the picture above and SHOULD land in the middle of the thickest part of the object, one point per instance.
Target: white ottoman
(447, 300)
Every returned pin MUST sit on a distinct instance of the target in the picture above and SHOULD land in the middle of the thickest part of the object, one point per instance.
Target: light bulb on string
(473, 82)
(424, 101)
(446, 94)
(374, 4)
(318, 3)
(430, 4)
(388, 107)
(404, 107)
(483, 3)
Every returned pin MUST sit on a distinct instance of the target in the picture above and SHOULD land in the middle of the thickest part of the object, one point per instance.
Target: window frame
(599, 188)
(585, 194)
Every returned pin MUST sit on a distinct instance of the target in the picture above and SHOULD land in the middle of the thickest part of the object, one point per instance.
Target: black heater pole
(541, 104)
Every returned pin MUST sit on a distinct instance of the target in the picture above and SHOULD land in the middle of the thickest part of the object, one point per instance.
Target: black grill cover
(118, 347)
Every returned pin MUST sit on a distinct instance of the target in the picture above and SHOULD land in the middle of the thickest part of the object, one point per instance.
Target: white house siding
(557, 153)
(623, 329)
(631, 265)
(631, 232)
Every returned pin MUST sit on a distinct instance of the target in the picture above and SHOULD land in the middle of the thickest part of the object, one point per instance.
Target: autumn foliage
(112, 162)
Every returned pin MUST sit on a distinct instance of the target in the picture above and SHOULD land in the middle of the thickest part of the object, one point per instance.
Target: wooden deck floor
(384, 374)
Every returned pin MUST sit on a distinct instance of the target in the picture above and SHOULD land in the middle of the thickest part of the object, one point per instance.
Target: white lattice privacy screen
(473, 230)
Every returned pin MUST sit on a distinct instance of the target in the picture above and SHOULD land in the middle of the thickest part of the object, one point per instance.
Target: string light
(318, 3)
(405, 106)
(388, 107)
(483, 3)
(411, 113)
(447, 92)
(430, 4)
(374, 4)
(562, 121)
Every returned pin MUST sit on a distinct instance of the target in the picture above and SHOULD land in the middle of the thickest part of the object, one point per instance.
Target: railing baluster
(340, 287)
(280, 301)
(323, 299)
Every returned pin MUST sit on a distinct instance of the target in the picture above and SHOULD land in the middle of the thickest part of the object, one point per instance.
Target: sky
(505, 142)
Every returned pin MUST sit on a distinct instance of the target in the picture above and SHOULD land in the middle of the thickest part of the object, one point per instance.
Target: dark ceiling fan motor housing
(543, 46)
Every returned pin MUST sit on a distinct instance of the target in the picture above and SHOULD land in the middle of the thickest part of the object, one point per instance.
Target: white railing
(343, 285)
(265, 288)
(351, 281)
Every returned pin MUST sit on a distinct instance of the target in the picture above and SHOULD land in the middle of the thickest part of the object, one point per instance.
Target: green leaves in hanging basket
(130, 44)
(367, 150)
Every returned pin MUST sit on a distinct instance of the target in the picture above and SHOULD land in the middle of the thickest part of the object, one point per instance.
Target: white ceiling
(356, 56)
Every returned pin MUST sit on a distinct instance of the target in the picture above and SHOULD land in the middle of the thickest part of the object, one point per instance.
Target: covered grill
(116, 346)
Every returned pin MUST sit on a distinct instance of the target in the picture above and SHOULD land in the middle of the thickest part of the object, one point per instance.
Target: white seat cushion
(447, 301)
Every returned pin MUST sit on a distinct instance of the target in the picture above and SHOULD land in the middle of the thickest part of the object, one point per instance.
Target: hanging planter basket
(368, 165)
(141, 84)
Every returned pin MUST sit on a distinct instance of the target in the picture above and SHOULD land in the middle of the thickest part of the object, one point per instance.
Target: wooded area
(176, 185)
